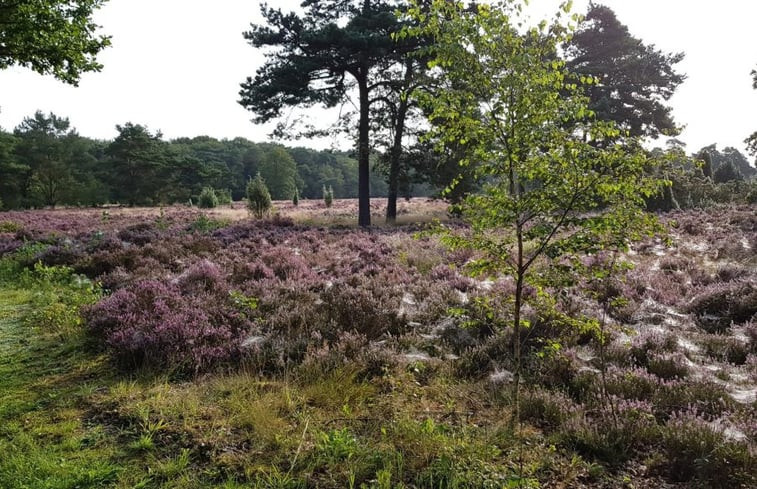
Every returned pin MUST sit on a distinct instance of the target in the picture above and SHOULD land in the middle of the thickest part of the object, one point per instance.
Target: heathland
(178, 347)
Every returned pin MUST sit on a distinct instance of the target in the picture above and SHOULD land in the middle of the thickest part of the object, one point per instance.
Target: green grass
(45, 436)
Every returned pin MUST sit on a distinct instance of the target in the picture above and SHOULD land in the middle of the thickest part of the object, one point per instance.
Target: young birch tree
(557, 184)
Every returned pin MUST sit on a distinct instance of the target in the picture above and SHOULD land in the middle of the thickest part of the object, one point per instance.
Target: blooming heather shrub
(251, 271)
(139, 234)
(613, 435)
(9, 244)
(545, 409)
(102, 262)
(366, 305)
(699, 452)
(287, 264)
(726, 348)
(708, 398)
(724, 303)
(618, 354)
(746, 423)
(428, 301)
(116, 279)
(197, 244)
(152, 324)
(445, 273)
(730, 272)
(64, 254)
(750, 331)
(668, 366)
(649, 342)
(100, 241)
(289, 311)
(203, 276)
(633, 383)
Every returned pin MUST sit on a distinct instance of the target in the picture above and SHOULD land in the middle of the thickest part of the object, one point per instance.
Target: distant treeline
(44, 162)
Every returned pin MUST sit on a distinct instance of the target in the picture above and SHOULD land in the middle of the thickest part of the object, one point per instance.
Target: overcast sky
(176, 66)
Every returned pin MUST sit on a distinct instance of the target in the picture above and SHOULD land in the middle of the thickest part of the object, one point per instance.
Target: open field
(181, 348)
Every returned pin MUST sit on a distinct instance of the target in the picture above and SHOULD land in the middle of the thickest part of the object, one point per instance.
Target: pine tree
(258, 197)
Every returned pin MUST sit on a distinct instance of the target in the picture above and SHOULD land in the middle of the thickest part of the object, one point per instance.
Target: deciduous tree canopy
(55, 37)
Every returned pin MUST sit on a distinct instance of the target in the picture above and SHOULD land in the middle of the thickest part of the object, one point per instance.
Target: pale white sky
(176, 65)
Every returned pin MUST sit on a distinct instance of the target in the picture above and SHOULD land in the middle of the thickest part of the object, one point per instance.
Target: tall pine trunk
(396, 152)
(364, 187)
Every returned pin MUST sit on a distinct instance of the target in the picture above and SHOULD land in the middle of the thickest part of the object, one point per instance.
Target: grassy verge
(45, 436)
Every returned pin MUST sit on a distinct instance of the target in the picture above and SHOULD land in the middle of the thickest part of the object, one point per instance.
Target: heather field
(182, 348)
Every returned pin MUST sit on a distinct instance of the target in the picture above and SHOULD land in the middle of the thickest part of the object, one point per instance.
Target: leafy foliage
(556, 182)
(51, 37)
(279, 171)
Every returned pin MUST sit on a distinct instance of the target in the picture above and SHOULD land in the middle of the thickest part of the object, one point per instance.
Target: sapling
(557, 184)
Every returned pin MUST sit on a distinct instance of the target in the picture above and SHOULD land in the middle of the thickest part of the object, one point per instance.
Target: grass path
(45, 441)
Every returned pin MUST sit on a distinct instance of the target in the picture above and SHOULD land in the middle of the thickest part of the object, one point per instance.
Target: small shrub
(258, 197)
(444, 273)
(296, 197)
(708, 398)
(614, 437)
(287, 264)
(730, 272)
(699, 451)
(204, 224)
(651, 342)
(207, 199)
(152, 324)
(474, 364)
(750, 330)
(328, 196)
(726, 349)
(722, 304)
(668, 367)
(545, 409)
(203, 276)
(139, 234)
(364, 305)
(10, 226)
(635, 383)
(224, 197)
